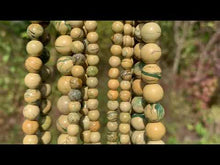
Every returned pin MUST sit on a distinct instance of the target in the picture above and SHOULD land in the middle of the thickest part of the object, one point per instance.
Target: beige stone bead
(93, 93)
(125, 85)
(153, 93)
(137, 32)
(125, 95)
(156, 142)
(30, 139)
(117, 27)
(150, 53)
(112, 115)
(33, 64)
(32, 80)
(127, 52)
(92, 37)
(130, 22)
(128, 41)
(93, 115)
(34, 48)
(151, 73)
(63, 84)
(125, 117)
(138, 137)
(30, 127)
(46, 137)
(61, 27)
(155, 131)
(85, 123)
(112, 126)
(128, 29)
(63, 45)
(138, 104)
(74, 106)
(112, 94)
(31, 112)
(92, 82)
(74, 117)
(114, 61)
(113, 84)
(94, 126)
(75, 23)
(62, 123)
(92, 60)
(124, 128)
(125, 106)
(112, 136)
(63, 104)
(86, 136)
(77, 34)
(117, 39)
(92, 48)
(124, 139)
(90, 25)
(112, 105)
(77, 47)
(127, 63)
(34, 31)
(150, 32)
(92, 104)
(64, 65)
(137, 87)
(76, 83)
(62, 139)
(116, 50)
(95, 137)
(138, 123)
(73, 129)
(77, 71)
(137, 50)
(113, 73)
(32, 96)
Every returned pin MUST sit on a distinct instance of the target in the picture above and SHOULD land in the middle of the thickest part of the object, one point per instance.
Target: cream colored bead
(63, 104)
(73, 129)
(93, 115)
(92, 48)
(125, 117)
(127, 52)
(114, 61)
(113, 73)
(63, 84)
(93, 104)
(117, 27)
(92, 82)
(125, 95)
(75, 23)
(113, 94)
(125, 139)
(128, 41)
(62, 139)
(138, 123)
(90, 25)
(128, 29)
(116, 50)
(92, 37)
(137, 32)
(150, 53)
(85, 123)
(74, 117)
(95, 137)
(127, 63)
(124, 128)
(34, 48)
(74, 106)
(63, 44)
(46, 137)
(137, 50)
(92, 60)
(156, 142)
(77, 47)
(31, 112)
(150, 32)
(125, 106)
(77, 34)
(125, 85)
(86, 136)
(112, 126)
(77, 71)
(113, 84)
(93, 93)
(30, 139)
(153, 93)
(62, 123)
(112, 105)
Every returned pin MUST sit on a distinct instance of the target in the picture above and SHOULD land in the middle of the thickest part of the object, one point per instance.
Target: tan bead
(154, 112)
(75, 83)
(112, 105)
(92, 104)
(63, 104)
(64, 65)
(32, 95)
(155, 131)
(138, 68)
(117, 39)
(153, 93)
(63, 44)
(85, 123)
(92, 49)
(30, 127)
(114, 61)
(86, 136)
(33, 64)
(113, 73)
(137, 50)
(34, 48)
(117, 27)
(156, 142)
(30, 139)
(138, 123)
(77, 47)
(127, 41)
(137, 87)
(116, 50)
(112, 94)
(93, 93)
(125, 139)
(112, 126)
(92, 60)
(45, 90)
(73, 129)
(77, 71)
(138, 104)
(77, 34)
(113, 84)
(127, 63)
(95, 137)
(126, 74)
(46, 137)
(127, 52)
(62, 139)
(94, 126)
(93, 115)
(90, 25)
(92, 82)
(150, 32)
(34, 31)
(150, 53)
(74, 106)
(138, 137)
(45, 106)
(125, 85)
(151, 73)
(74, 117)
(124, 128)
(112, 136)
(63, 84)
(125, 117)
(61, 27)
(75, 23)
(137, 32)
(92, 37)
(31, 112)
(125, 106)
(125, 95)
(62, 123)
(32, 80)
(128, 29)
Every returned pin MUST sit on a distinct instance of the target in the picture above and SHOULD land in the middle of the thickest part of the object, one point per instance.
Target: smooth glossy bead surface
(30, 127)
(138, 137)
(64, 65)
(150, 32)
(63, 44)
(137, 50)
(113, 84)
(73, 129)
(138, 123)
(117, 27)
(77, 47)
(92, 60)
(34, 48)
(32, 95)
(154, 112)
(31, 112)
(112, 94)
(93, 115)
(151, 73)
(125, 139)
(77, 34)
(32, 80)
(155, 131)
(94, 126)
(30, 139)
(33, 64)
(116, 50)
(125, 117)
(112, 126)
(124, 128)
(153, 93)
(150, 53)
(92, 37)
(112, 105)
(63, 104)
(138, 104)
(46, 137)
(34, 31)
(113, 73)
(63, 84)
(114, 61)
(90, 25)
(95, 137)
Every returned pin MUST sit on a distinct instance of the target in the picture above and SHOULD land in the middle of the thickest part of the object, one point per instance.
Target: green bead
(92, 71)
(138, 104)
(154, 112)
(64, 65)
(75, 95)
(46, 122)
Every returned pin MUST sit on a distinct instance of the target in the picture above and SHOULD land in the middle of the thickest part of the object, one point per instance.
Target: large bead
(155, 131)
(138, 104)
(137, 122)
(64, 65)
(63, 104)
(30, 139)
(63, 84)
(150, 53)
(32, 80)
(34, 48)
(33, 64)
(30, 127)
(32, 95)
(63, 44)
(153, 93)
(31, 112)
(150, 32)
(117, 27)
(34, 31)
(154, 112)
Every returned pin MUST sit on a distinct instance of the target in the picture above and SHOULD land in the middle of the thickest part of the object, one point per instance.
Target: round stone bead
(137, 32)
(73, 117)
(95, 137)
(113, 73)
(30, 127)
(112, 126)
(32, 95)
(77, 47)
(31, 112)
(124, 128)
(33, 64)
(112, 115)
(156, 142)
(86, 136)
(61, 27)
(125, 117)
(34, 31)
(77, 34)
(92, 93)
(128, 41)
(154, 112)
(117, 39)
(77, 71)
(45, 122)
(137, 50)
(62, 139)
(112, 137)
(138, 68)
(112, 94)
(114, 61)
(92, 60)
(63, 44)
(73, 129)
(30, 139)
(75, 83)
(112, 105)
(138, 104)
(113, 84)
(138, 137)
(155, 131)
(92, 82)
(92, 37)
(45, 90)
(137, 87)
(153, 93)
(93, 115)
(125, 85)
(94, 126)
(125, 106)
(125, 96)
(63, 104)
(32, 80)
(127, 52)
(151, 73)
(72, 140)
(128, 29)
(117, 27)
(63, 84)
(92, 49)
(116, 50)
(92, 71)
(75, 95)
(90, 25)
(150, 32)
(150, 53)
(62, 123)
(46, 137)
(92, 104)
(126, 75)
(125, 139)
(137, 122)
(79, 59)
(75, 23)
(85, 123)
(34, 48)
(74, 106)
(45, 106)
(64, 65)
(127, 63)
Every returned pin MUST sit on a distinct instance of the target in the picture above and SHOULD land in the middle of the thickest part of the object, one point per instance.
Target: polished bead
(90, 25)
(92, 104)
(64, 65)
(150, 32)
(138, 123)
(128, 41)
(124, 128)
(137, 87)
(113, 84)
(45, 90)
(92, 37)
(34, 31)
(94, 126)
(75, 83)
(45, 106)
(92, 82)
(92, 71)
(32, 95)
(116, 50)
(75, 95)
(92, 93)
(124, 139)
(30, 139)
(126, 75)
(112, 126)
(114, 61)
(125, 95)
(151, 73)
(32, 80)
(112, 115)
(128, 29)
(92, 49)
(92, 60)
(74, 117)
(137, 50)
(112, 94)
(117, 27)
(137, 32)
(33, 64)
(93, 115)
(127, 52)
(155, 131)
(46, 137)
(31, 112)
(138, 104)
(95, 137)
(79, 59)
(77, 47)
(62, 123)
(117, 39)
(45, 122)
(61, 27)
(125, 85)
(63, 44)
(138, 137)
(86, 136)
(75, 23)
(112, 136)
(63, 84)
(63, 104)
(154, 112)
(125, 106)
(77, 34)
(77, 71)
(113, 73)
(112, 105)
(150, 53)
(30, 127)
(125, 117)
(127, 63)
(34, 48)
(74, 106)
(153, 93)
(73, 129)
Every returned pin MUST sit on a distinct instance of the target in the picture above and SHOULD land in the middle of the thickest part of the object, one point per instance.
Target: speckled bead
(92, 82)
(32, 80)
(34, 48)
(138, 104)
(112, 137)
(128, 41)
(128, 29)
(127, 63)
(74, 106)
(64, 65)
(45, 73)
(63, 104)
(77, 47)
(62, 123)
(112, 126)
(117, 39)
(31, 112)
(75, 95)
(112, 105)
(126, 75)
(155, 131)
(33, 64)
(92, 71)
(74, 117)
(32, 95)
(153, 93)
(150, 53)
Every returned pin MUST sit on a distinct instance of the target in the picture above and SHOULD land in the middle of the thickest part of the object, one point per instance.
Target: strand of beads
(125, 85)
(38, 56)
(113, 83)
(151, 73)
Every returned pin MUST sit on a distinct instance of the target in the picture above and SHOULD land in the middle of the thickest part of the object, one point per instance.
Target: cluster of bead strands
(125, 84)
(37, 121)
(71, 65)
(151, 73)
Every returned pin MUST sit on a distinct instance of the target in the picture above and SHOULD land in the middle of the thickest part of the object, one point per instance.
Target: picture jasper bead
(138, 137)
(94, 126)
(150, 53)
(151, 73)
(92, 37)
(113, 84)
(45, 106)
(79, 59)
(114, 61)
(155, 131)
(138, 104)
(137, 50)
(63, 45)
(128, 29)
(124, 128)
(33, 64)
(92, 49)
(77, 34)
(137, 87)
(117, 27)
(77, 71)
(92, 82)
(112, 94)
(63, 84)
(74, 117)
(46, 137)
(32, 95)
(128, 41)
(62, 139)
(93, 104)
(45, 122)
(31, 112)
(113, 73)
(62, 123)
(90, 25)
(30, 127)
(125, 95)
(92, 71)
(95, 137)
(137, 122)
(93, 115)
(63, 104)
(138, 68)
(93, 93)
(116, 50)
(153, 93)
(77, 47)
(125, 139)
(150, 32)
(34, 31)
(74, 106)
(154, 112)
(45, 90)
(75, 83)
(64, 65)
(73, 129)
(127, 63)
(112, 105)
(75, 23)
(126, 75)
(156, 142)
(112, 115)
(30, 139)
(92, 60)
(32, 80)
(125, 106)
(125, 85)
(117, 39)
(61, 27)
(125, 117)
(112, 136)
(34, 48)
(75, 95)
(127, 52)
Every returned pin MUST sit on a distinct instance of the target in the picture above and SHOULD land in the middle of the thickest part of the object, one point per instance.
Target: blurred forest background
(191, 71)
